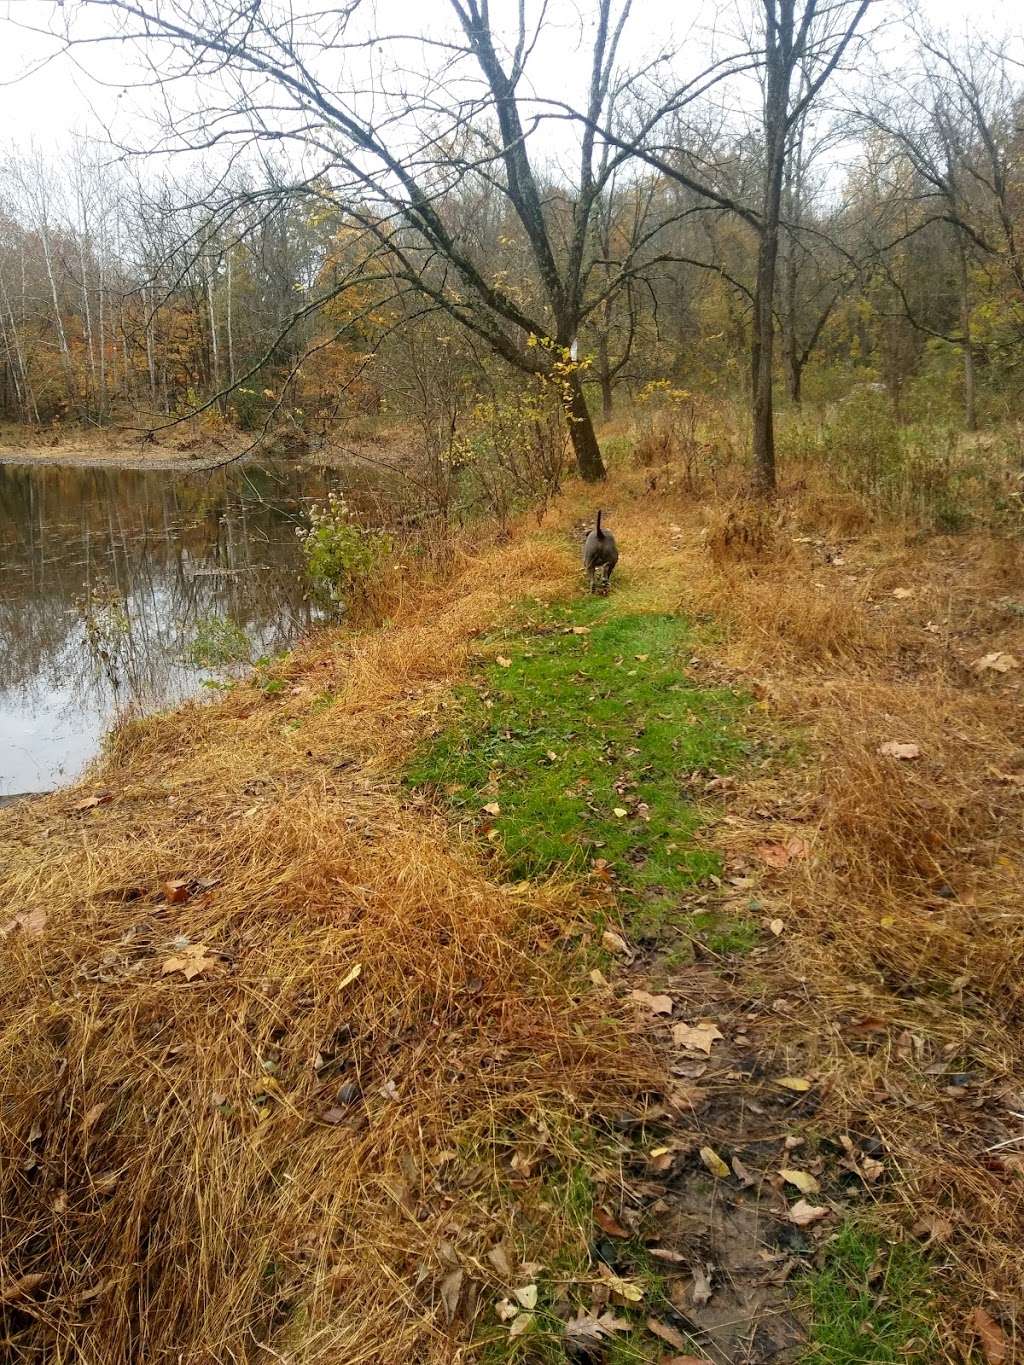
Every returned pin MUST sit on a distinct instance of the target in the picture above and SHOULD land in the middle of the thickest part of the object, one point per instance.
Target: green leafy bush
(344, 560)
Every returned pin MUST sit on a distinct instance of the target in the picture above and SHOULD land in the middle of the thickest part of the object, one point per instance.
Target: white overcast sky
(56, 100)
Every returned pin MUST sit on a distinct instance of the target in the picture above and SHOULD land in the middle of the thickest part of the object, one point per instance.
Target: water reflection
(107, 577)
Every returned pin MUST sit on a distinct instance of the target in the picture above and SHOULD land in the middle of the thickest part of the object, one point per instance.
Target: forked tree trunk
(581, 432)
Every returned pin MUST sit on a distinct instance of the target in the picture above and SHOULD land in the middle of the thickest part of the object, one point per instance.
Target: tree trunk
(604, 376)
(796, 374)
(970, 408)
(581, 432)
(762, 357)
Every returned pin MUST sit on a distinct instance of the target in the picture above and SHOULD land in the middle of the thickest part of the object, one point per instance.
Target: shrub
(344, 560)
(218, 641)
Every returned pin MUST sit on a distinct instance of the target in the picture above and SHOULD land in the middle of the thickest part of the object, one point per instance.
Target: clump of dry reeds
(280, 1060)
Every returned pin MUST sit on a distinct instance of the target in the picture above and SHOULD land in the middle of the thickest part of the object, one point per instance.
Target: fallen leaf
(91, 802)
(527, 1296)
(667, 1254)
(91, 1115)
(803, 1214)
(620, 813)
(997, 662)
(802, 1180)
(934, 1229)
(581, 630)
(699, 1037)
(714, 1162)
(498, 1258)
(586, 1332)
(353, 974)
(175, 891)
(657, 1004)
(625, 1289)
(665, 1332)
(700, 1290)
(894, 748)
(797, 1083)
(192, 962)
(775, 855)
(451, 1293)
(506, 1310)
(519, 1324)
(502, 662)
(776, 926)
(902, 593)
(492, 808)
(615, 943)
(30, 922)
(685, 1360)
(994, 1345)
(13, 1291)
(610, 1224)
(742, 1174)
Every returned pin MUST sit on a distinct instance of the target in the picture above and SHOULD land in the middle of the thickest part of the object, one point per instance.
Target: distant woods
(828, 200)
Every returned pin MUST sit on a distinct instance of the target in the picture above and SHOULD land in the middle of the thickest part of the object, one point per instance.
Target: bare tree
(388, 150)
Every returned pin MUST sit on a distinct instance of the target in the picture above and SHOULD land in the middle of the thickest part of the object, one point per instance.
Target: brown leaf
(176, 891)
(91, 802)
(996, 662)
(498, 1257)
(13, 1291)
(492, 808)
(742, 1174)
(91, 1115)
(700, 1291)
(451, 1294)
(699, 1037)
(615, 943)
(894, 748)
(994, 1346)
(609, 1224)
(30, 922)
(666, 1333)
(502, 662)
(803, 1214)
(657, 1004)
(685, 1360)
(933, 1229)
(192, 962)
(667, 1254)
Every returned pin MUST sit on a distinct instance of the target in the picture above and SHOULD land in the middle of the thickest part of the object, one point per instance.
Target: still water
(126, 588)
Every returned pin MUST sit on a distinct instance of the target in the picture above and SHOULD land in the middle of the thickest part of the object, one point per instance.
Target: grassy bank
(310, 1003)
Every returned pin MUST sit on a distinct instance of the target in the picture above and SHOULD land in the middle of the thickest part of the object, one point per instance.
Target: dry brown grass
(180, 1173)
(209, 1204)
(905, 928)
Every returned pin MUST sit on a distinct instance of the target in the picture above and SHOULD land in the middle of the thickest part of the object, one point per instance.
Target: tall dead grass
(306, 1147)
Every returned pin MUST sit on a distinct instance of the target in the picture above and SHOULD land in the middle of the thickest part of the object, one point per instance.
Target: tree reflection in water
(105, 577)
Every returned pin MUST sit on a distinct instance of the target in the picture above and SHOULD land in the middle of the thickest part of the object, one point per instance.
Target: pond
(129, 588)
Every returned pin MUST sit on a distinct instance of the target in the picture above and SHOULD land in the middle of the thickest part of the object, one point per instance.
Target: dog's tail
(600, 533)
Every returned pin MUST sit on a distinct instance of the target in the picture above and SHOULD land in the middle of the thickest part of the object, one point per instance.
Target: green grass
(870, 1304)
(579, 726)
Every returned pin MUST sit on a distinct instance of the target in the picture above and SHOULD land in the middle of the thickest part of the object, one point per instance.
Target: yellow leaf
(502, 662)
(803, 1180)
(351, 975)
(620, 813)
(714, 1163)
(798, 1083)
